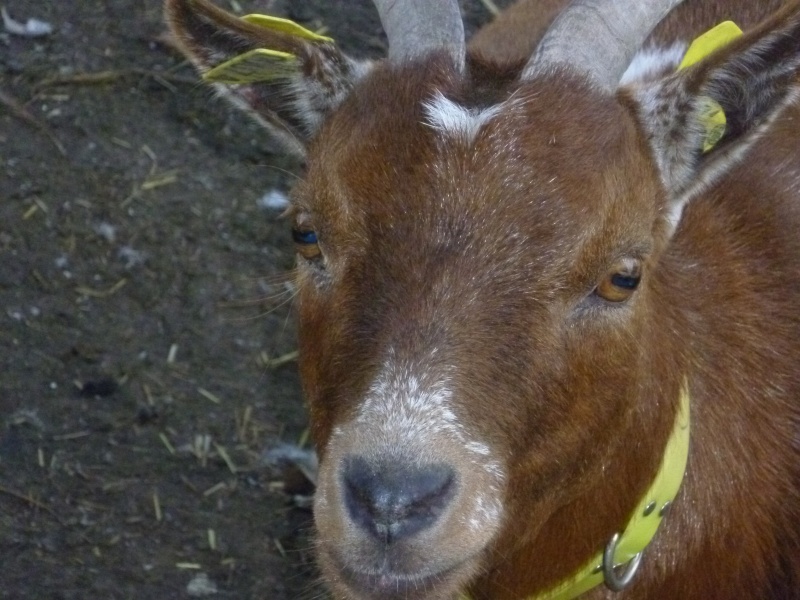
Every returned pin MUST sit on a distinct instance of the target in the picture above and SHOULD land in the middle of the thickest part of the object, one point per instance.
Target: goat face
(470, 332)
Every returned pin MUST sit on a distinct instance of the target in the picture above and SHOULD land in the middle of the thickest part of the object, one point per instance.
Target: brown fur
(488, 251)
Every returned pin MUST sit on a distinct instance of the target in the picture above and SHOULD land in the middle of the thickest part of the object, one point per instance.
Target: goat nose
(393, 500)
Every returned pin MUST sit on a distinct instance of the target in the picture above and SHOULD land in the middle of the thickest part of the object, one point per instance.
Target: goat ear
(751, 80)
(286, 77)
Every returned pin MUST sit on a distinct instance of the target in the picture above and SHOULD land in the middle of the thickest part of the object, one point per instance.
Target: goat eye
(621, 282)
(628, 282)
(305, 241)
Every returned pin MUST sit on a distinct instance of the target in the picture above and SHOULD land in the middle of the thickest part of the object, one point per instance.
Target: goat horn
(598, 37)
(416, 27)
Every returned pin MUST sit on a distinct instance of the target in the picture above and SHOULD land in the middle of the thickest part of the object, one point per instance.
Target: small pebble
(106, 231)
(201, 585)
(273, 200)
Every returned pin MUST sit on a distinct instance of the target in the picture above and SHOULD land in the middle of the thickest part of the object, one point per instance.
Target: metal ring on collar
(614, 582)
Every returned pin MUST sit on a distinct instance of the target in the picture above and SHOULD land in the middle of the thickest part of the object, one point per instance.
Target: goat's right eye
(621, 282)
(306, 243)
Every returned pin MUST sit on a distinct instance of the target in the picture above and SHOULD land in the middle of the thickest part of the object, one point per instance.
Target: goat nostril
(395, 500)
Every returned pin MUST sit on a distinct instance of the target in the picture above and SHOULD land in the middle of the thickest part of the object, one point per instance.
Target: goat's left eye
(306, 243)
(621, 282)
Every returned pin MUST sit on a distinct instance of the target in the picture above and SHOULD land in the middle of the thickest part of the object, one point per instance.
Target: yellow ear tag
(254, 66)
(263, 64)
(285, 26)
(711, 112)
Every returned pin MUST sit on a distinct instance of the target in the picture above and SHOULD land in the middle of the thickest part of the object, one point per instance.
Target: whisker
(289, 314)
(245, 302)
(286, 172)
(274, 279)
(263, 314)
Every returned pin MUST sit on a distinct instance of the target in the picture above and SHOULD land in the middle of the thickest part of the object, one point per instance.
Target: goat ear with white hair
(286, 77)
(752, 80)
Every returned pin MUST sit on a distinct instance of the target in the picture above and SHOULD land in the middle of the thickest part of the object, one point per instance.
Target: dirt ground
(146, 331)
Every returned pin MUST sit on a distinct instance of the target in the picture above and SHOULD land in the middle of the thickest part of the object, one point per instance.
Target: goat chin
(363, 585)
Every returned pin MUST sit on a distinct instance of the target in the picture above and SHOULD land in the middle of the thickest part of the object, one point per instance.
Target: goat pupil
(304, 237)
(628, 282)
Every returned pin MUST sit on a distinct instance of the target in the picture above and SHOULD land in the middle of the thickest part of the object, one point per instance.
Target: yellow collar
(625, 550)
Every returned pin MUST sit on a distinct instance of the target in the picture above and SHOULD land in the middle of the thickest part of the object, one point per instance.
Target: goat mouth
(384, 584)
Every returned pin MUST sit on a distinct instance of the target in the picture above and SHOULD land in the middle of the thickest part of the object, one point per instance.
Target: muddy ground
(146, 331)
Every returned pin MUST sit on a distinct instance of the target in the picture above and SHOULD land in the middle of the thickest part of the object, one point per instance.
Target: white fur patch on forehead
(455, 120)
(654, 62)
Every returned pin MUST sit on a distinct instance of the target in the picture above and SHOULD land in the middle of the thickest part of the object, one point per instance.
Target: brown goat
(518, 261)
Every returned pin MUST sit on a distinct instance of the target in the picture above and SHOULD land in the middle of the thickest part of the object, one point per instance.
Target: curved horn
(416, 27)
(598, 37)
